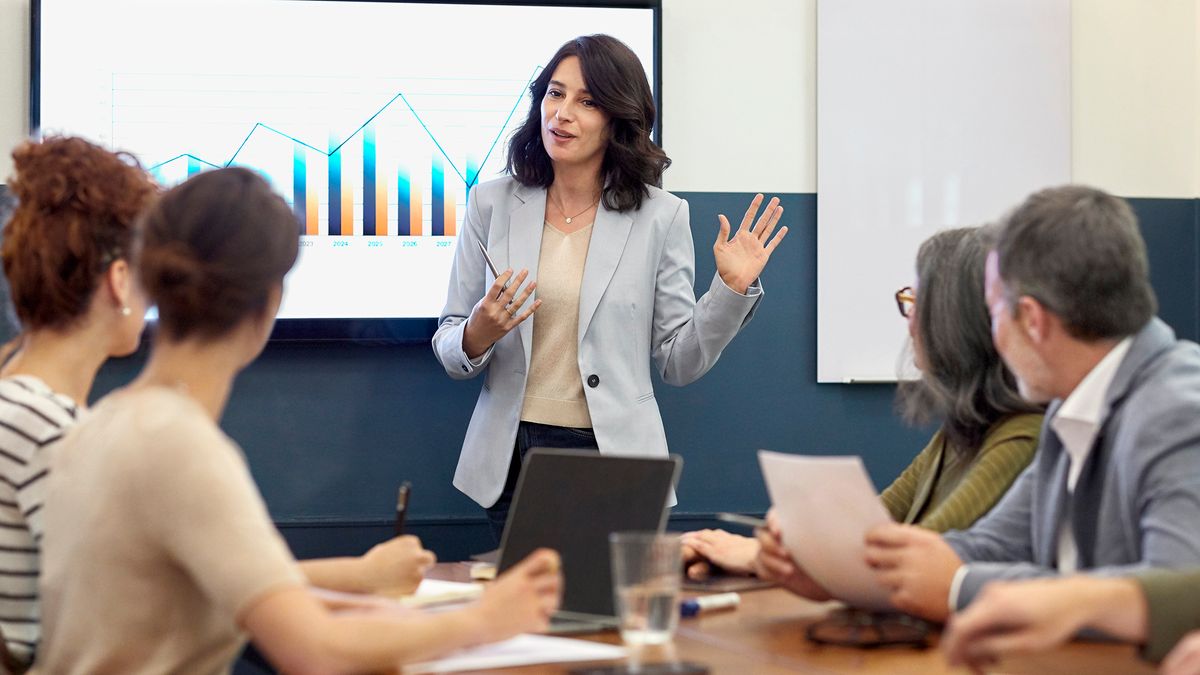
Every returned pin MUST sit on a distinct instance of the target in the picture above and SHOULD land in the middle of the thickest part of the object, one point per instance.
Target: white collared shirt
(1077, 422)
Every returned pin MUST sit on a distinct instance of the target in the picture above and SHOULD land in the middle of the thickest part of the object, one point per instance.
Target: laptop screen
(570, 500)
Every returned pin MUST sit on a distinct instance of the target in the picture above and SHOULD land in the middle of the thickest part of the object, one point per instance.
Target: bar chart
(372, 120)
(391, 175)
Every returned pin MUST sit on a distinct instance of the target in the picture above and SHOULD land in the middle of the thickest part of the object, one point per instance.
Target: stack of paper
(438, 592)
(523, 650)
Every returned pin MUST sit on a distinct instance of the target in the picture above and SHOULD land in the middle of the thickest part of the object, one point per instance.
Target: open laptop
(569, 501)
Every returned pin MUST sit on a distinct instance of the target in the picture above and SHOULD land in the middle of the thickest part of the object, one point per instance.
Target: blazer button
(593, 381)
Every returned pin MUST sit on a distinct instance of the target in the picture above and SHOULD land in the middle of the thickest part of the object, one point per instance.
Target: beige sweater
(554, 389)
(156, 541)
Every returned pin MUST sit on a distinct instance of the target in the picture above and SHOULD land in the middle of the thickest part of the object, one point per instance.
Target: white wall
(1136, 96)
(739, 94)
(14, 79)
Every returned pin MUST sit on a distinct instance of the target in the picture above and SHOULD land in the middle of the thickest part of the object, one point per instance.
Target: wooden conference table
(766, 635)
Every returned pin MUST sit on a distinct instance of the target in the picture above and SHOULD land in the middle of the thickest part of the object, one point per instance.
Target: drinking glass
(646, 577)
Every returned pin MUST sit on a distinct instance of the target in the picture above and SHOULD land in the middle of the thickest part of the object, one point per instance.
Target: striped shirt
(32, 417)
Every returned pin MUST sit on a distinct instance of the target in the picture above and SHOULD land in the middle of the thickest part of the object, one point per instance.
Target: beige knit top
(554, 388)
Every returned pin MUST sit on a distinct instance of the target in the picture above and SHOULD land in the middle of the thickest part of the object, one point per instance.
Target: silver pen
(740, 519)
(492, 266)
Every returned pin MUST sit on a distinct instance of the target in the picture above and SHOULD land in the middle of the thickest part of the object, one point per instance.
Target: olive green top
(947, 489)
(1173, 598)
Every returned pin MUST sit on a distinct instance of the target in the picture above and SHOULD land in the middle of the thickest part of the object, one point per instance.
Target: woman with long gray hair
(988, 433)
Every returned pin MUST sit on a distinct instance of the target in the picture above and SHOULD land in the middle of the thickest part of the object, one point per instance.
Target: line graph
(412, 183)
(387, 172)
(468, 179)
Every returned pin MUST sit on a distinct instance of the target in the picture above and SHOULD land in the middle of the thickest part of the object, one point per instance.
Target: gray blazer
(637, 301)
(1137, 500)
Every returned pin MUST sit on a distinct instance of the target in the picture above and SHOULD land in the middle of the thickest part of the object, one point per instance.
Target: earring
(125, 311)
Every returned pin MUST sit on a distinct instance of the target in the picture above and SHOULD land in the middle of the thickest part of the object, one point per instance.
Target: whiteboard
(931, 114)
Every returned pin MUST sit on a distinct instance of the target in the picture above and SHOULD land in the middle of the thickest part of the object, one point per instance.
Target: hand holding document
(825, 506)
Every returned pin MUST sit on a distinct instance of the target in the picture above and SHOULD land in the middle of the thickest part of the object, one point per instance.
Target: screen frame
(375, 330)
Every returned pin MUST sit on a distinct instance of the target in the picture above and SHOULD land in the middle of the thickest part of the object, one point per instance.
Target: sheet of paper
(825, 506)
(522, 650)
(438, 592)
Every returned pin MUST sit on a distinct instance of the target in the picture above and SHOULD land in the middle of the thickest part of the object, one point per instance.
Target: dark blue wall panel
(1170, 228)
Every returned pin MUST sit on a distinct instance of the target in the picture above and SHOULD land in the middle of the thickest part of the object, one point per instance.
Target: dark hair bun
(214, 248)
(177, 273)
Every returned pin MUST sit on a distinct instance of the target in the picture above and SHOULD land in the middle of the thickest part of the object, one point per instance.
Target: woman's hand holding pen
(498, 312)
(396, 566)
(741, 259)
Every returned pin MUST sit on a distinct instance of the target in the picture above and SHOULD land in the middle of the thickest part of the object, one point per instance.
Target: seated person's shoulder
(1183, 354)
(1157, 416)
(1027, 427)
(1012, 441)
(157, 425)
(34, 413)
(1169, 386)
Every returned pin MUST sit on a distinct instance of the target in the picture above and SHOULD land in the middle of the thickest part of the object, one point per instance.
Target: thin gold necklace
(570, 218)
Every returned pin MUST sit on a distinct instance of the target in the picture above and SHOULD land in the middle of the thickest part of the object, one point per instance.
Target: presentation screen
(373, 120)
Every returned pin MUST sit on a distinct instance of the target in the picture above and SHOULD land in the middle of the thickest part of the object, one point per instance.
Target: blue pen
(706, 603)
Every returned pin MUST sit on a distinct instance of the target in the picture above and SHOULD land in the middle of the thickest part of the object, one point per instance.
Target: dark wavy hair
(964, 383)
(618, 85)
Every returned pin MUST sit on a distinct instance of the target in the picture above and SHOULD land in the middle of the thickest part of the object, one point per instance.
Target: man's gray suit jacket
(1137, 501)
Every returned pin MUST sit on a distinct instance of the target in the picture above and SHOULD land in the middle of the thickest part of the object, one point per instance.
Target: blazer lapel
(609, 234)
(925, 487)
(1153, 338)
(525, 248)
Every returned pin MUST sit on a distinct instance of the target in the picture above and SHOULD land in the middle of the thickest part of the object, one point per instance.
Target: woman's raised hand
(741, 259)
(498, 312)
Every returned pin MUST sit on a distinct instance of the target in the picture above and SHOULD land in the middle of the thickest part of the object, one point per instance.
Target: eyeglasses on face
(906, 301)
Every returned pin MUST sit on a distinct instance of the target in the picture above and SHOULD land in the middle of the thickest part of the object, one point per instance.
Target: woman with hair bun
(613, 257)
(66, 256)
(163, 554)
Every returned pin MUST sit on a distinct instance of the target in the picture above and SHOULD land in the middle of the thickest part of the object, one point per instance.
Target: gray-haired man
(1115, 484)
